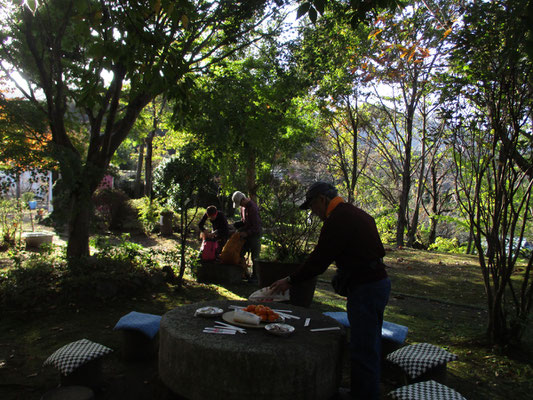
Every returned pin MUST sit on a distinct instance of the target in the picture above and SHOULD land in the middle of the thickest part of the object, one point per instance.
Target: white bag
(265, 295)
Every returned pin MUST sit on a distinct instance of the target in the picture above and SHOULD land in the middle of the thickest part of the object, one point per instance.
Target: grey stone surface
(69, 393)
(256, 365)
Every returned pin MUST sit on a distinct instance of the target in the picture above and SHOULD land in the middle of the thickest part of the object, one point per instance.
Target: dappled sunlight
(227, 294)
(327, 299)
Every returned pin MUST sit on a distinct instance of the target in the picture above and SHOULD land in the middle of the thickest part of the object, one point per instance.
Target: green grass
(439, 297)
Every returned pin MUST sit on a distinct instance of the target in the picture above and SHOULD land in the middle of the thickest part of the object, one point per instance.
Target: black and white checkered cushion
(75, 354)
(418, 358)
(428, 390)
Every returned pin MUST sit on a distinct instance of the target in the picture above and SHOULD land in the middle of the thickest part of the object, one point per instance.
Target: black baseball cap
(315, 189)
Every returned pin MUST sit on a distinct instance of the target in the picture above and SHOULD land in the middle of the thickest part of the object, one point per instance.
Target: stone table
(256, 365)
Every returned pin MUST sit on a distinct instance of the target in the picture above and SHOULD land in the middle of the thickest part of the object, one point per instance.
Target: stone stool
(214, 272)
(69, 393)
(79, 363)
(422, 361)
(429, 390)
(139, 335)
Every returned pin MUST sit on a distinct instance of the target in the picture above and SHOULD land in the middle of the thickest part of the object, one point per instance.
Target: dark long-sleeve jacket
(220, 225)
(349, 237)
(251, 219)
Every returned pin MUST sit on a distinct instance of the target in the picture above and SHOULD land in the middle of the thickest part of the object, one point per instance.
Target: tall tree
(407, 54)
(249, 117)
(63, 47)
(330, 55)
(492, 107)
(178, 181)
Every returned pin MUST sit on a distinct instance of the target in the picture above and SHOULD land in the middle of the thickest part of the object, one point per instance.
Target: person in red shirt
(219, 223)
(349, 237)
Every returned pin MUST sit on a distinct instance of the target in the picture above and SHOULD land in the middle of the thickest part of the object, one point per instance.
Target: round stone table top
(255, 365)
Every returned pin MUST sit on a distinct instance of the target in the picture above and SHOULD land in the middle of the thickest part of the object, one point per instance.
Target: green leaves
(312, 8)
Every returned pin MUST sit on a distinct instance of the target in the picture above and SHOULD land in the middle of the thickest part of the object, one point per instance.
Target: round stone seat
(255, 365)
(69, 393)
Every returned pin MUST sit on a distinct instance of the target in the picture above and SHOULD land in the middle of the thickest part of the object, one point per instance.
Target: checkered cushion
(429, 390)
(419, 358)
(75, 354)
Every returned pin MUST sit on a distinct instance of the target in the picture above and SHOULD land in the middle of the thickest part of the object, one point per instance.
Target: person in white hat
(249, 228)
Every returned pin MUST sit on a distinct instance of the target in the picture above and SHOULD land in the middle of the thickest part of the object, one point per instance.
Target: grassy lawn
(439, 297)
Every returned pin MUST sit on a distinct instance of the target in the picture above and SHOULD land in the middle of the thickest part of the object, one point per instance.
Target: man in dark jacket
(349, 237)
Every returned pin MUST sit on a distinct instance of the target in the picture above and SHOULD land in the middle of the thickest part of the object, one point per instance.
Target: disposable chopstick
(287, 315)
(235, 328)
(333, 328)
(220, 330)
(283, 311)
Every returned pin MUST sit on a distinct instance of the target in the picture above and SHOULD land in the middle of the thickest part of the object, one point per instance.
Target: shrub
(10, 223)
(121, 269)
(386, 224)
(290, 232)
(32, 281)
(446, 245)
(111, 205)
(147, 213)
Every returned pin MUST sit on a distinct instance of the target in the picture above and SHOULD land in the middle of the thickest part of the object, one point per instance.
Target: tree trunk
(137, 186)
(183, 243)
(469, 248)
(406, 187)
(148, 165)
(411, 233)
(17, 186)
(406, 173)
(251, 185)
(354, 121)
(434, 204)
(78, 227)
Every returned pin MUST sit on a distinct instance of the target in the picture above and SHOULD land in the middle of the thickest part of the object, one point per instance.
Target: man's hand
(280, 286)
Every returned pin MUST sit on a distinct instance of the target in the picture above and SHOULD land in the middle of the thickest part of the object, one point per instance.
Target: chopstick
(220, 330)
(333, 328)
(287, 316)
(232, 327)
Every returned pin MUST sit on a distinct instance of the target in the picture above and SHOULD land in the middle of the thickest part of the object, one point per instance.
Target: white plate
(280, 329)
(228, 317)
(209, 312)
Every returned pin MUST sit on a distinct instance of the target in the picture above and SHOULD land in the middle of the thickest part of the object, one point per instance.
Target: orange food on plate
(265, 312)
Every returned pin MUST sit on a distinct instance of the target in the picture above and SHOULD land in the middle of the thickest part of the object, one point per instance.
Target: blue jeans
(253, 245)
(365, 306)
